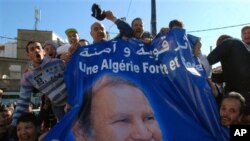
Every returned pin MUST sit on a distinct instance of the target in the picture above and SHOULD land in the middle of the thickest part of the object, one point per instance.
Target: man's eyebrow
(119, 115)
(123, 115)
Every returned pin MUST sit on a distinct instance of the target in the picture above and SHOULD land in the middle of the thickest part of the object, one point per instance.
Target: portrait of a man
(114, 109)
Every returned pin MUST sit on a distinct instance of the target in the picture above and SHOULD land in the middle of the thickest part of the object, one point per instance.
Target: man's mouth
(38, 56)
(225, 119)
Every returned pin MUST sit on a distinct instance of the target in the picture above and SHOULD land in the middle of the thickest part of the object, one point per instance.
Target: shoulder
(54, 61)
(229, 44)
(51, 62)
(233, 41)
(57, 60)
(236, 45)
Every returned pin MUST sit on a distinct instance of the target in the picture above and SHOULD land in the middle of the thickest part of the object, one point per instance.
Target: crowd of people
(230, 85)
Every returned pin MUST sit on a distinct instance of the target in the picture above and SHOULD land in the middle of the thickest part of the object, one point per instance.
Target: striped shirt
(48, 79)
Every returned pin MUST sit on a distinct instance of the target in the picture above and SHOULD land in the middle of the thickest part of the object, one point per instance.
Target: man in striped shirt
(46, 75)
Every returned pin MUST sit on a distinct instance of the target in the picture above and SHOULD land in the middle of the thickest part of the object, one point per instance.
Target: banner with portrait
(176, 101)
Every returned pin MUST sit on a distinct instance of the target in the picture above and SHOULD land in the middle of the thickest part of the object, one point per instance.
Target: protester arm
(124, 27)
(23, 101)
(219, 52)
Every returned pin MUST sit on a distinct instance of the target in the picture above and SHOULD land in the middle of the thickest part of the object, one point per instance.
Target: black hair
(222, 38)
(244, 28)
(174, 23)
(84, 40)
(138, 18)
(28, 117)
(30, 42)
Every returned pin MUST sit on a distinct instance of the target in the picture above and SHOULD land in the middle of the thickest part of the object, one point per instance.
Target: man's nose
(23, 131)
(100, 30)
(36, 51)
(141, 132)
(224, 113)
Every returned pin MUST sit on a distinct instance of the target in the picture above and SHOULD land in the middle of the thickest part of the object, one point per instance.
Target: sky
(198, 16)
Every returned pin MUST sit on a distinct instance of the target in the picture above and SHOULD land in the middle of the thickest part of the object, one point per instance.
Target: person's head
(35, 52)
(50, 48)
(9, 112)
(72, 35)
(3, 124)
(83, 42)
(195, 43)
(98, 32)
(137, 26)
(6, 113)
(222, 38)
(175, 24)
(114, 109)
(47, 103)
(197, 49)
(29, 108)
(245, 34)
(232, 109)
(27, 127)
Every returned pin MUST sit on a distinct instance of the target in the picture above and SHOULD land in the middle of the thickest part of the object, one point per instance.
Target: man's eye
(29, 127)
(150, 118)
(233, 111)
(122, 121)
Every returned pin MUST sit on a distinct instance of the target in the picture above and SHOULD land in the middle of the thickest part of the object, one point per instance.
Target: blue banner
(178, 104)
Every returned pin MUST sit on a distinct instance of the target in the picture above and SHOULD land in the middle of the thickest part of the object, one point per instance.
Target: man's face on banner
(122, 113)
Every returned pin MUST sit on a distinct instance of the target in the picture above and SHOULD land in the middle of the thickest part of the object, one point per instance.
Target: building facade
(13, 58)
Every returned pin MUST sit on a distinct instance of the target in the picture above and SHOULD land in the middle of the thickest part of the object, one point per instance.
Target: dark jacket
(235, 61)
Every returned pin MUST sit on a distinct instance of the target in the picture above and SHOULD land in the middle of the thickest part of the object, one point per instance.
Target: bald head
(98, 32)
